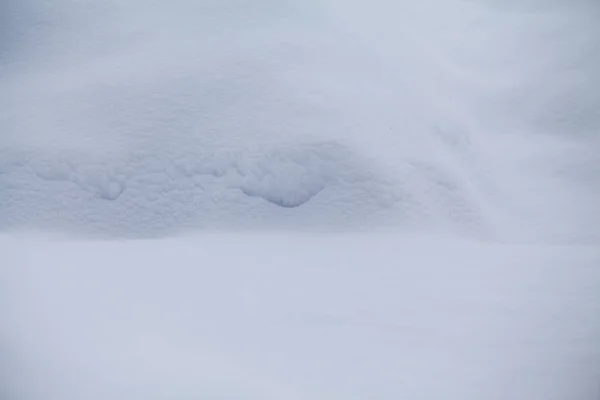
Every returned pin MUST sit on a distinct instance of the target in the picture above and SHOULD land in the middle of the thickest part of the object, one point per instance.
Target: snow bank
(140, 118)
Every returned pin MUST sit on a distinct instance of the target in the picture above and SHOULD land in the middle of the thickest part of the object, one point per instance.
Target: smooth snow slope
(289, 316)
(142, 118)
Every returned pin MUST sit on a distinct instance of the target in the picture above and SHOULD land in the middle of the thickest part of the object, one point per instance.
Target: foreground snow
(291, 316)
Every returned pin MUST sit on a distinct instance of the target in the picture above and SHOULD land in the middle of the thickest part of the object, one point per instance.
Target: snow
(129, 121)
(283, 199)
(272, 316)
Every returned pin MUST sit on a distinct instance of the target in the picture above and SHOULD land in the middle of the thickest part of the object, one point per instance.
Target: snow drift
(129, 119)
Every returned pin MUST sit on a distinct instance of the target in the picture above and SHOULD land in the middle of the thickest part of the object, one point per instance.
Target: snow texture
(129, 119)
(319, 199)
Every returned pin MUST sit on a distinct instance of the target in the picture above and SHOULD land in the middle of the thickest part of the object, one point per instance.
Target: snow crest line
(265, 175)
(156, 189)
(286, 176)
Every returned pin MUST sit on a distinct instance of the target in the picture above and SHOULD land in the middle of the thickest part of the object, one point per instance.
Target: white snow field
(319, 199)
(293, 316)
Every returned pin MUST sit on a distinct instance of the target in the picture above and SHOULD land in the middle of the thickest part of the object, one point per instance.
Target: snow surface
(289, 316)
(142, 119)
(299, 199)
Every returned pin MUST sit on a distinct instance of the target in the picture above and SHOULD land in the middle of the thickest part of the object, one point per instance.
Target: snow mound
(132, 118)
